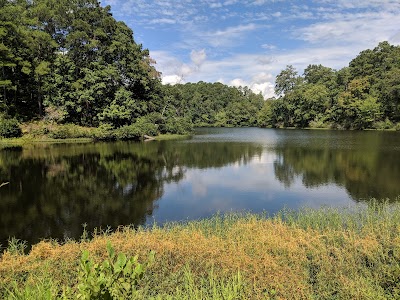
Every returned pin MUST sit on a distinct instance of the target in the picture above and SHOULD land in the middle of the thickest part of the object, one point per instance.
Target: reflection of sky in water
(241, 187)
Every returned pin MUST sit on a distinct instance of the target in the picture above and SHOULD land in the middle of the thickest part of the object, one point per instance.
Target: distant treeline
(366, 94)
(71, 62)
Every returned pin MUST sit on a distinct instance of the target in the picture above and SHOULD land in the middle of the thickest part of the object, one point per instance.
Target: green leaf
(110, 250)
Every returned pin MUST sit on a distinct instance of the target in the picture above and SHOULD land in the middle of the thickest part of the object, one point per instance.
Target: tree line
(366, 94)
(71, 62)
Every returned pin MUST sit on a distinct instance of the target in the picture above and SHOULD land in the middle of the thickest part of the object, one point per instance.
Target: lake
(56, 188)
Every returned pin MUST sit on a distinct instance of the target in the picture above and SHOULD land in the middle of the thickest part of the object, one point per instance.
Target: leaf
(110, 250)
(121, 261)
(85, 255)
(126, 286)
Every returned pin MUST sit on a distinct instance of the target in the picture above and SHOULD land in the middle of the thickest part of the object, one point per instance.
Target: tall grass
(309, 254)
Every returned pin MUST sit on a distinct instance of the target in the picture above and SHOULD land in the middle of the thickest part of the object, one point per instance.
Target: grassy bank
(41, 132)
(313, 254)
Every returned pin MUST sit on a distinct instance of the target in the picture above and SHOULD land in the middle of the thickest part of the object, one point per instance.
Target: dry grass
(336, 256)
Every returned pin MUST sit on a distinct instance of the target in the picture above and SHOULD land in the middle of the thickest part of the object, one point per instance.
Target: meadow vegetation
(310, 254)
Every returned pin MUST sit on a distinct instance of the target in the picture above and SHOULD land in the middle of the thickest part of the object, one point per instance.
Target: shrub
(36, 128)
(115, 278)
(9, 128)
(104, 132)
(381, 125)
(71, 131)
(146, 126)
(128, 132)
(178, 126)
(319, 123)
(135, 131)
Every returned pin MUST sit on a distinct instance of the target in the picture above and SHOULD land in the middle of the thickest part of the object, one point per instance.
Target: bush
(319, 123)
(36, 128)
(117, 277)
(70, 131)
(146, 126)
(135, 131)
(178, 126)
(9, 128)
(128, 132)
(381, 125)
(104, 132)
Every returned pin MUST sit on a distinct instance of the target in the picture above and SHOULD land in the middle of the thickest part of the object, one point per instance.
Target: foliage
(382, 125)
(209, 104)
(71, 62)
(82, 67)
(286, 80)
(67, 131)
(364, 95)
(325, 253)
(136, 131)
(178, 125)
(9, 128)
(116, 277)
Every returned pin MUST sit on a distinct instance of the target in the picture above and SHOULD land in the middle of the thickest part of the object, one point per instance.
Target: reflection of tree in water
(366, 169)
(54, 189)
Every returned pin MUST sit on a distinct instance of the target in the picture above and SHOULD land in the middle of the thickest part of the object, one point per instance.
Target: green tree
(360, 108)
(287, 80)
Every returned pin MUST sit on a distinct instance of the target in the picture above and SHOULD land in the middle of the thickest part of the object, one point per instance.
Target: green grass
(326, 253)
(24, 140)
(167, 137)
(41, 132)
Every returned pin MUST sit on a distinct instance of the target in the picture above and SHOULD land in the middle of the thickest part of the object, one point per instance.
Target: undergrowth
(309, 254)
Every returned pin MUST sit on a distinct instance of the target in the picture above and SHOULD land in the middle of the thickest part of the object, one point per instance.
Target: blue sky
(249, 42)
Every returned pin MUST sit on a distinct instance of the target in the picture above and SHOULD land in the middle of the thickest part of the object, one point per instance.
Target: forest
(70, 63)
(366, 94)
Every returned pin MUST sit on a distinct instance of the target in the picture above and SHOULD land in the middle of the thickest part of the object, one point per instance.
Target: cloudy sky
(248, 42)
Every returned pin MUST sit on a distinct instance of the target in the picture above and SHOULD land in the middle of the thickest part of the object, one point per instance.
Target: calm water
(54, 189)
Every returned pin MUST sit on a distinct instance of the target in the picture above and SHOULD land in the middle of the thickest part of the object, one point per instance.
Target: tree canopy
(72, 62)
(365, 94)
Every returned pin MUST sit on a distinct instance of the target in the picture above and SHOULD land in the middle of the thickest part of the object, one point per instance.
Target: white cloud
(330, 32)
(362, 29)
(262, 77)
(172, 79)
(162, 21)
(216, 5)
(265, 60)
(257, 85)
(234, 30)
(228, 36)
(268, 46)
(395, 39)
(185, 70)
(198, 57)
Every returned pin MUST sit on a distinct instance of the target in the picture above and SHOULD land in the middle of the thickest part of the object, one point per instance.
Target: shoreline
(352, 254)
(26, 140)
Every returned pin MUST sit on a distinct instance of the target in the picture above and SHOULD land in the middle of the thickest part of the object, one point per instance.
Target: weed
(16, 246)
(326, 253)
(115, 278)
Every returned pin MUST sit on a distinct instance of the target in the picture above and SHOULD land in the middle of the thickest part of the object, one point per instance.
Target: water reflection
(54, 189)
(365, 163)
